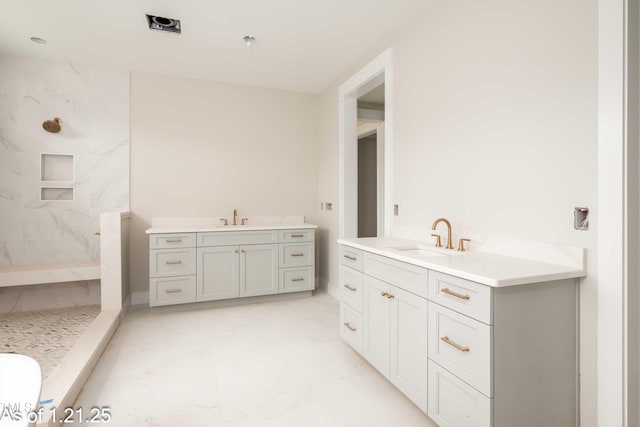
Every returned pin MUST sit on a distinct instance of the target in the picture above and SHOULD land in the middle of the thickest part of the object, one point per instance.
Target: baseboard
(331, 290)
(138, 298)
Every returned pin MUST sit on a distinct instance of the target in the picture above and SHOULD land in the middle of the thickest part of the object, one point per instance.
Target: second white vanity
(195, 263)
(473, 339)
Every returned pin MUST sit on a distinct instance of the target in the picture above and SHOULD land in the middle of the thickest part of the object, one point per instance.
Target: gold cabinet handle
(242, 251)
(452, 344)
(455, 294)
(352, 258)
(297, 279)
(350, 288)
(349, 327)
(390, 296)
(173, 240)
(297, 254)
(173, 291)
(297, 235)
(173, 262)
(383, 293)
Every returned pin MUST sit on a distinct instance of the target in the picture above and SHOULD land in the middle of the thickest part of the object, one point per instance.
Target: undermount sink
(422, 251)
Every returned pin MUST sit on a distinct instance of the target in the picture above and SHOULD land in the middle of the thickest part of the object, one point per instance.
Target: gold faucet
(235, 217)
(446, 221)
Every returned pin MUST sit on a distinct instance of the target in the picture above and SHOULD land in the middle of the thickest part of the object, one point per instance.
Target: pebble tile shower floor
(45, 335)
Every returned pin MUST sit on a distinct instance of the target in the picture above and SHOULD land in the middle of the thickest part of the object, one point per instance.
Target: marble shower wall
(93, 105)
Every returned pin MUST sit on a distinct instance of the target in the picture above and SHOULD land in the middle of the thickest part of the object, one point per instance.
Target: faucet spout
(446, 221)
(235, 217)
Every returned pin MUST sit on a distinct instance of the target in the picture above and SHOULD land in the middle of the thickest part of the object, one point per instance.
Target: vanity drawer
(351, 287)
(303, 235)
(464, 296)
(401, 274)
(172, 262)
(172, 240)
(452, 403)
(462, 346)
(228, 238)
(297, 279)
(351, 257)
(172, 290)
(296, 254)
(351, 327)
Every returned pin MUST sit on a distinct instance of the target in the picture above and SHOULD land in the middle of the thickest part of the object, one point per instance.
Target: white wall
(495, 107)
(93, 104)
(201, 148)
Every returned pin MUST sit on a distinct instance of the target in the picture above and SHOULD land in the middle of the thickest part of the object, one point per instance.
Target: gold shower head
(52, 126)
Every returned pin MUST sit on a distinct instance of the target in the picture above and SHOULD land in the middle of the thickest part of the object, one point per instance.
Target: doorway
(361, 214)
(371, 162)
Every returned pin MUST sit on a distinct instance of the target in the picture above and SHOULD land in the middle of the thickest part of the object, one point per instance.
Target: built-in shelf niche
(56, 167)
(57, 177)
(56, 193)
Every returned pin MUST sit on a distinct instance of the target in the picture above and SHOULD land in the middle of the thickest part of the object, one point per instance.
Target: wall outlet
(328, 206)
(581, 218)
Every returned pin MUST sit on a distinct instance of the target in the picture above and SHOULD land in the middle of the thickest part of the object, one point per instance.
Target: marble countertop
(482, 267)
(195, 228)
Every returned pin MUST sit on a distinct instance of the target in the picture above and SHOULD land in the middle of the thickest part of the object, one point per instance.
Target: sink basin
(20, 387)
(422, 251)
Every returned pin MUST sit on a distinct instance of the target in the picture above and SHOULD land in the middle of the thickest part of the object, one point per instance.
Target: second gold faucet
(433, 227)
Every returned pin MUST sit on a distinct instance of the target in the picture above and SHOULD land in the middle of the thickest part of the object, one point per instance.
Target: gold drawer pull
(297, 235)
(297, 279)
(173, 240)
(173, 291)
(349, 327)
(173, 262)
(352, 258)
(384, 294)
(455, 294)
(390, 296)
(297, 254)
(452, 344)
(350, 288)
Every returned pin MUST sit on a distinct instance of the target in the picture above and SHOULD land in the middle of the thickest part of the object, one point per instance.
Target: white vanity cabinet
(172, 269)
(467, 354)
(217, 265)
(394, 321)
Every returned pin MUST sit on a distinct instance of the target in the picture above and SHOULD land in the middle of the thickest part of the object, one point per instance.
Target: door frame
(618, 235)
(377, 72)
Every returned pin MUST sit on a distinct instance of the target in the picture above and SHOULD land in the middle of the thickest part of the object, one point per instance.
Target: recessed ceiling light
(161, 23)
(249, 40)
(38, 40)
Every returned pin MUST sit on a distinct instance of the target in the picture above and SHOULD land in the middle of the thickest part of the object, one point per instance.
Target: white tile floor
(279, 364)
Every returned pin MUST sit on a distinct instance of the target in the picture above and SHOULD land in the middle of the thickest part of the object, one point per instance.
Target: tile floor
(45, 335)
(276, 364)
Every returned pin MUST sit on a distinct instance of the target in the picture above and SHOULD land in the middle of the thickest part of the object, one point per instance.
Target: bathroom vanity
(204, 263)
(473, 339)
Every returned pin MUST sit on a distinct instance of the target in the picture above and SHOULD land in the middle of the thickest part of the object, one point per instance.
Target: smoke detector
(161, 23)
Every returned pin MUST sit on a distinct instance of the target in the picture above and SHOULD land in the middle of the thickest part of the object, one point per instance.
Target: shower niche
(57, 177)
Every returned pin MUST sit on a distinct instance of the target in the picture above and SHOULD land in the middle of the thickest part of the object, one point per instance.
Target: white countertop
(486, 268)
(199, 228)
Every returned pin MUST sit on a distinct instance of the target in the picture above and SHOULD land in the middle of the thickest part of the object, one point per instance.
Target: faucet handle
(224, 221)
(461, 244)
(244, 221)
(438, 241)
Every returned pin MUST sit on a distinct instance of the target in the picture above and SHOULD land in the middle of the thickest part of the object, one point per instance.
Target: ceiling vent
(161, 23)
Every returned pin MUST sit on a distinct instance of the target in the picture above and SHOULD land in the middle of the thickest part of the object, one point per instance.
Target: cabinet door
(376, 324)
(408, 335)
(217, 273)
(258, 270)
